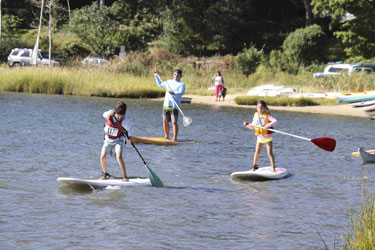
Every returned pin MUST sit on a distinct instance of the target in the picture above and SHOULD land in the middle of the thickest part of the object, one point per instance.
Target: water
(45, 137)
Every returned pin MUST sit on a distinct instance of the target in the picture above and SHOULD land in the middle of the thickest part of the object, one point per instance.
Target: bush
(6, 46)
(71, 50)
(248, 60)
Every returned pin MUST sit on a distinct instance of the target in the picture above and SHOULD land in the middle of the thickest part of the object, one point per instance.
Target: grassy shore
(113, 82)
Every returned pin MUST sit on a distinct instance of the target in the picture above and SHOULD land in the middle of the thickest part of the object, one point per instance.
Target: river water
(44, 137)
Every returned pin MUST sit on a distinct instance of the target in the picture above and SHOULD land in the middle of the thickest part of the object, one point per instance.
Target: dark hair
(263, 103)
(120, 108)
(178, 72)
(218, 72)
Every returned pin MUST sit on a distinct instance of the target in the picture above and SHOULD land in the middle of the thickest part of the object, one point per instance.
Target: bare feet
(125, 179)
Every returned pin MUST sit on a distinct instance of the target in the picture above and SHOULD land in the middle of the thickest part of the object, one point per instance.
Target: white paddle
(325, 143)
(186, 120)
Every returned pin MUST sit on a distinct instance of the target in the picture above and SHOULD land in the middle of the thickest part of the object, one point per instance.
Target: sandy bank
(343, 109)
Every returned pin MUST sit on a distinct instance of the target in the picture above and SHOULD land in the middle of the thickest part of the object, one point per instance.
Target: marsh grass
(83, 82)
(117, 80)
(361, 228)
(283, 101)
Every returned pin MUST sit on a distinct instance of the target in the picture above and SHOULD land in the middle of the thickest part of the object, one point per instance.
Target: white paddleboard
(104, 183)
(261, 174)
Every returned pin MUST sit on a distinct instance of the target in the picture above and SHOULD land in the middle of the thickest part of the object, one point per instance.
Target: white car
(95, 61)
(22, 57)
(348, 68)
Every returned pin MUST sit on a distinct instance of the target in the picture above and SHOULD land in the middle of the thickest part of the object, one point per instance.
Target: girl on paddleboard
(261, 121)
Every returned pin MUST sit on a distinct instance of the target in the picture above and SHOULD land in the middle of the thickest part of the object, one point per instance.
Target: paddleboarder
(262, 118)
(114, 139)
(175, 88)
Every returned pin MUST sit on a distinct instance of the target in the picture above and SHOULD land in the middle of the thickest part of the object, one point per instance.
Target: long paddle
(186, 120)
(325, 143)
(154, 179)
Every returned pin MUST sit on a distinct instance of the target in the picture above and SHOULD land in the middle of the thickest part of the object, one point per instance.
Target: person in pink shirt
(261, 121)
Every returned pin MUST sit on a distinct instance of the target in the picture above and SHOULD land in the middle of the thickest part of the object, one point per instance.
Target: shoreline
(342, 109)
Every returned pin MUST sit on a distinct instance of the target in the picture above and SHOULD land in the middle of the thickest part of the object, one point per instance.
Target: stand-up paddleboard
(67, 181)
(261, 174)
(158, 140)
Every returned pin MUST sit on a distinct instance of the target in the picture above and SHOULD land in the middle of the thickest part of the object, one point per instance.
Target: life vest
(262, 120)
(113, 130)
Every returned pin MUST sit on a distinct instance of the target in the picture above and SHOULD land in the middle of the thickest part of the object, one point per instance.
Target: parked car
(348, 68)
(95, 61)
(22, 57)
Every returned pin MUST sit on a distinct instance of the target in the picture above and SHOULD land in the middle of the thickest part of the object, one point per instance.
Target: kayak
(356, 98)
(363, 104)
(94, 184)
(158, 140)
(370, 111)
(365, 156)
(368, 151)
(261, 174)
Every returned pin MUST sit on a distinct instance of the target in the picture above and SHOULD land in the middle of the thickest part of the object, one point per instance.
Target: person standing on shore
(261, 121)
(219, 84)
(175, 88)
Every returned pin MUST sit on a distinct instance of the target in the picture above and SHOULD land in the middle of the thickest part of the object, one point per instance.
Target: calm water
(45, 137)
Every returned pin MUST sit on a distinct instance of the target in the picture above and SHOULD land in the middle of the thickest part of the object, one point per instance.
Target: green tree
(304, 45)
(97, 28)
(356, 33)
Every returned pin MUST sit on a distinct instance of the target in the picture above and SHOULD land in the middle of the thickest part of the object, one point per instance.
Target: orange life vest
(262, 120)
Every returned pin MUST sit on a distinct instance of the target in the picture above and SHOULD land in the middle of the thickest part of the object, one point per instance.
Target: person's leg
(103, 161)
(122, 165)
(166, 121)
(175, 131)
(166, 129)
(270, 155)
(174, 119)
(258, 149)
(217, 91)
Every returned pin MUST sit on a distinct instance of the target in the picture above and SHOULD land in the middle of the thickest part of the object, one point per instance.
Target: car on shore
(22, 57)
(94, 61)
(347, 68)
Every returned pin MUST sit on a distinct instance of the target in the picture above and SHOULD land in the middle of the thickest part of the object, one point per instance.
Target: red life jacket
(111, 129)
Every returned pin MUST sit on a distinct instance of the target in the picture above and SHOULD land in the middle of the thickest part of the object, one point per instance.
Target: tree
(304, 45)
(358, 33)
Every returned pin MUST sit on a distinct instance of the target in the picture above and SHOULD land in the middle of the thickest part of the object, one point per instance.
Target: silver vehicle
(22, 57)
(94, 61)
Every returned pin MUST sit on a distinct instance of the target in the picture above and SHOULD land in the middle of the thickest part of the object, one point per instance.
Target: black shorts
(170, 115)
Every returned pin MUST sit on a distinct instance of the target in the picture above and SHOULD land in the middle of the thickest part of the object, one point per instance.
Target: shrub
(248, 60)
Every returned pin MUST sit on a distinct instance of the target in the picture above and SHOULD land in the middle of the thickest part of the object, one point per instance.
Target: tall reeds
(361, 228)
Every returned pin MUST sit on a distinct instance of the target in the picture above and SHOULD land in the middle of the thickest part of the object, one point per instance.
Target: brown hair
(120, 108)
(263, 103)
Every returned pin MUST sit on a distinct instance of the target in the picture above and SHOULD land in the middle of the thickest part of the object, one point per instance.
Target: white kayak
(261, 174)
(103, 183)
(365, 156)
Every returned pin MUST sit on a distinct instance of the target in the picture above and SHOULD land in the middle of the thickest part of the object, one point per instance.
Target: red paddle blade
(325, 143)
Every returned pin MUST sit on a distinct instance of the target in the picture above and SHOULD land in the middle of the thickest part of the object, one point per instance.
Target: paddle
(154, 179)
(186, 120)
(325, 143)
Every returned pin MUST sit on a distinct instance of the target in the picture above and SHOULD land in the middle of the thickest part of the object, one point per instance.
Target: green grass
(114, 81)
(82, 82)
(361, 228)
